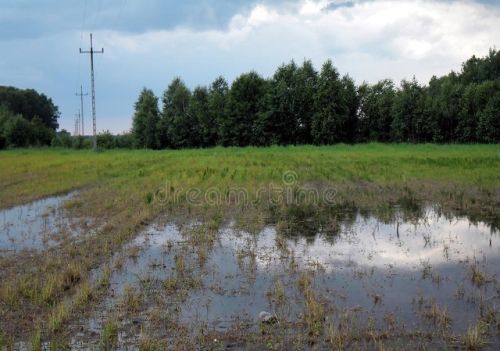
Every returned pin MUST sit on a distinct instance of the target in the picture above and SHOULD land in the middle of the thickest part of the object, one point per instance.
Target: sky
(147, 43)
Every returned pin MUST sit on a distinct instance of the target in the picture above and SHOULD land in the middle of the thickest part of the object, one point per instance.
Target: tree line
(299, 105)
(27, 118)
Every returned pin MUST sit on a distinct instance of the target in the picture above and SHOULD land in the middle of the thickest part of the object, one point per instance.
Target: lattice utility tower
(81, 95)
(92, 52)
(77, 124)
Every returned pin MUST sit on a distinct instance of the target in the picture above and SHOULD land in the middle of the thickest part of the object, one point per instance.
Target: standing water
(411, 276)
(34, 226)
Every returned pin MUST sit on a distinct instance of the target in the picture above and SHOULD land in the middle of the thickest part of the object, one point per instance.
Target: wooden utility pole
(92, 52)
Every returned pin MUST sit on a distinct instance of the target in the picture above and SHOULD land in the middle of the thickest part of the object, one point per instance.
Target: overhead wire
(113, 24)
(82, 30)
(91, 21)
(79, 57)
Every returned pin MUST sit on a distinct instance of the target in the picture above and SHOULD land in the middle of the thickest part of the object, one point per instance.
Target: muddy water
(375, 272)
(35, 226)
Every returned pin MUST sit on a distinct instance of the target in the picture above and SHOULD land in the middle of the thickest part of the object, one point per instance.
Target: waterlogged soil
(415, 281)
(36, 226)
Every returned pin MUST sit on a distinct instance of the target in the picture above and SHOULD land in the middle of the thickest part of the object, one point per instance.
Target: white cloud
(370, 40)
(261, 15)
(310, 7)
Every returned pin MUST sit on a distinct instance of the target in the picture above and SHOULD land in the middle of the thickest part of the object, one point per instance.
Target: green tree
(205, 123)
(349, 120)
(79, 142)
(217, 105)
(179, 125)
(478, 70)
(306, 80)
(5, 116)
(279, 121)
(62, 139)
(289, 107)
(475, 99)
(243, 109)
(41, 134)
(375, 117)
(29, 103)
(106, 140)
(443, 100)
(467, 119)
(408, 111)
(18, 132)
(489, 121)
(145, 120)
(124, 141)
(333, 107)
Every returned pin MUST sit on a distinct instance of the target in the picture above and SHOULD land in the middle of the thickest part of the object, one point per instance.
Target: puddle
(394, 264)
(376, 272)
(149, 255)
(35, 226)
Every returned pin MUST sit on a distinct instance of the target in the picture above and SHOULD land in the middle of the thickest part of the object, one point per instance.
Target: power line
(81, 95)
(84, 17)
(92, 52)
(97, 14)
(112, 24)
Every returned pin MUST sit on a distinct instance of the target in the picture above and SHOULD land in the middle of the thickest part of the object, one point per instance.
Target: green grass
(109, 336)
(29, 174)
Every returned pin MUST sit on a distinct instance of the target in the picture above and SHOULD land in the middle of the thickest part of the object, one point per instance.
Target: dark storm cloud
(32, 19)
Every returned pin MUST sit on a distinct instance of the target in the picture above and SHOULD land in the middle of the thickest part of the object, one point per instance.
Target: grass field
(30, 174)
(119, 193)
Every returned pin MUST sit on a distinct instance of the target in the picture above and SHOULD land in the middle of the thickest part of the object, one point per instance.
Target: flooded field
(424, 281)
(382, 246)
(35, 226)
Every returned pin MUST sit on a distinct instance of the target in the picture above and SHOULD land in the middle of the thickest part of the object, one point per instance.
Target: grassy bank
(119, 194)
